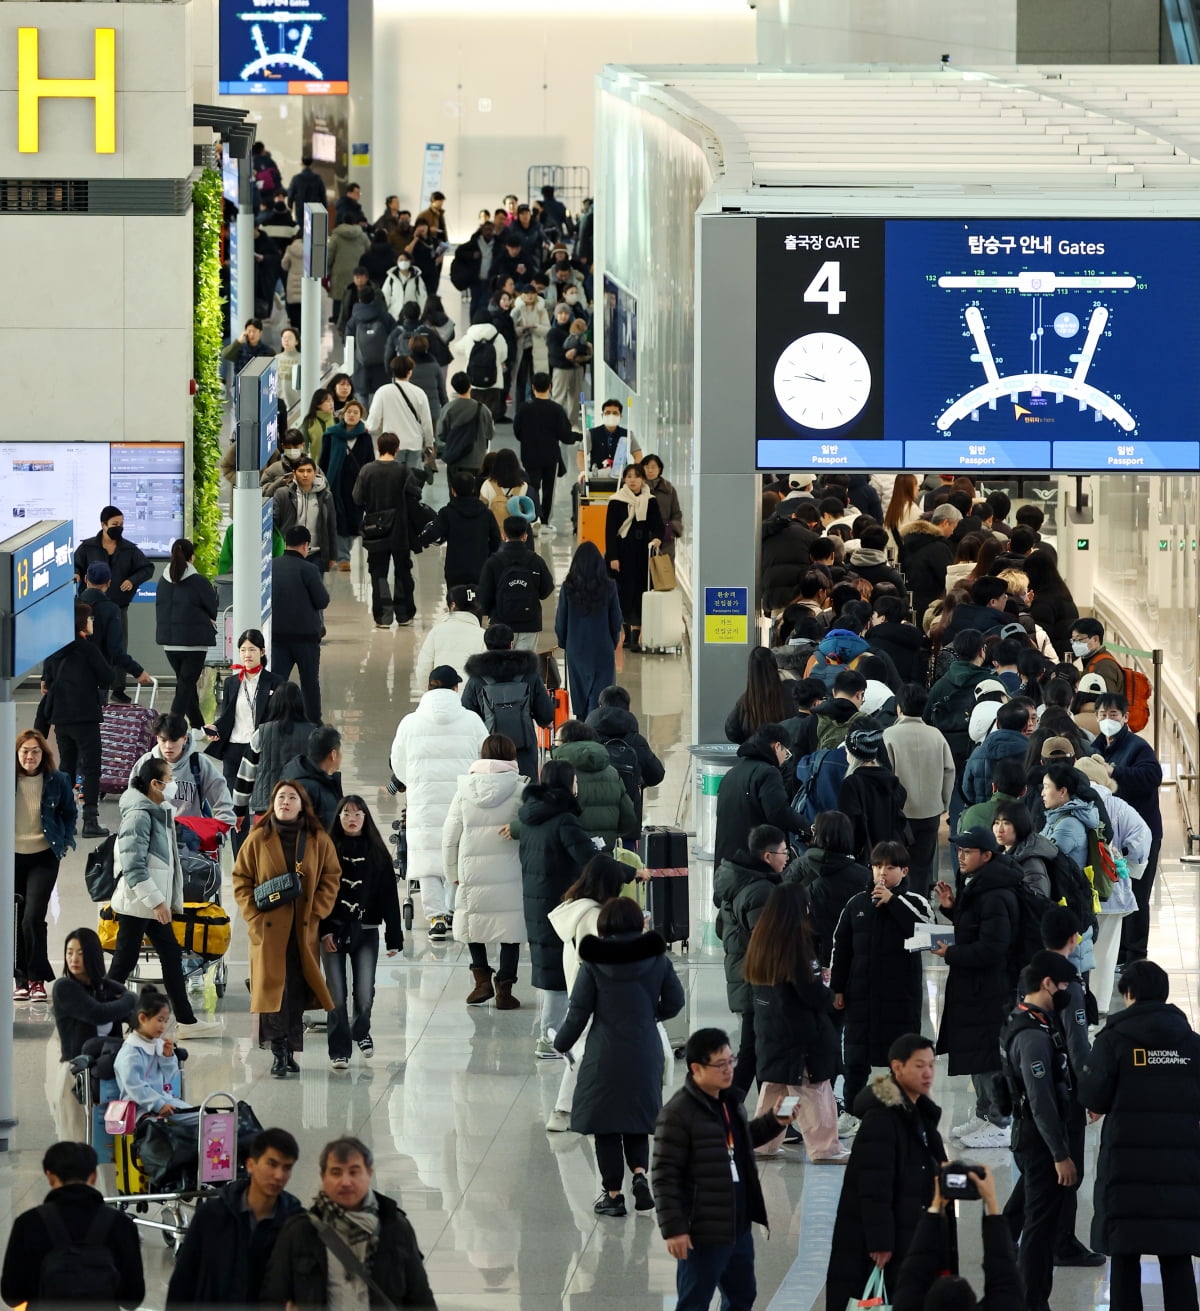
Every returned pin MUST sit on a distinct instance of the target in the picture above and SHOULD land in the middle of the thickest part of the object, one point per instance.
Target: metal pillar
(243, 292)
(310, 339)
(8, 821)
(247, 552)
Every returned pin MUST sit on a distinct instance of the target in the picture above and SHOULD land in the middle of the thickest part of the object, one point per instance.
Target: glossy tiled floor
(454, 1103)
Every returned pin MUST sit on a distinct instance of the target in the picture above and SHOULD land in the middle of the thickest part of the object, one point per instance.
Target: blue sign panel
(257, 409)
(978, 455)
(791, 453)
(1127, 456)
(36, 562)
(268, 530)
(38, 631)
(283, 47)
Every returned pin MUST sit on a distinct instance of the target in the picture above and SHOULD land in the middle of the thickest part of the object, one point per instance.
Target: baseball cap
(1057, 746)
(1096, 772)
(976, 839)
(800, 481)
(1091, 683)
(1013, 630)
(989, 687)
(946, 511)
(445, 676)
(99, 573)
(983, 720)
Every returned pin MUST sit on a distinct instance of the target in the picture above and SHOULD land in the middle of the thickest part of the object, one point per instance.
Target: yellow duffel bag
(202, 928)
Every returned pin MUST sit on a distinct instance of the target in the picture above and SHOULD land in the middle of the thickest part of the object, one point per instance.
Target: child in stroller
(146, 1068)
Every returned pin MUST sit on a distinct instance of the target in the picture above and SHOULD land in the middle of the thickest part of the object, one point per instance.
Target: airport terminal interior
(892, 193)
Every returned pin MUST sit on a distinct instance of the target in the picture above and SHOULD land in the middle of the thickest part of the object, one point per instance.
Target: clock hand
(808, 377)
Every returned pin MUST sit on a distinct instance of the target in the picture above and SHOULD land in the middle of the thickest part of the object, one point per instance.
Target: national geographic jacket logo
(1144, 1056)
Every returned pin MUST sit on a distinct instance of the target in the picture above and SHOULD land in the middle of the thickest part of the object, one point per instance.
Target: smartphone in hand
(787, 1108)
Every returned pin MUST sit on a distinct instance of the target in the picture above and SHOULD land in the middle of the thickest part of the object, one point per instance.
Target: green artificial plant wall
(207, 406)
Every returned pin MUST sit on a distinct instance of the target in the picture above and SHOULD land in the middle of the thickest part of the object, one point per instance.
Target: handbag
(1121, 900)
(120, 1117)
(101, 874)
(874, 1295)
(284, 888)
(662, 572)
(337, 1246)
(377, 525)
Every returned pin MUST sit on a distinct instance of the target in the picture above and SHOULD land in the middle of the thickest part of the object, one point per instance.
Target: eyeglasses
(776, 853)
(721, 1065)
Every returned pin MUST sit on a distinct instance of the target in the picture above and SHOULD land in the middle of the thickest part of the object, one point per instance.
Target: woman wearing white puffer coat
(434, 745)
(486, 868)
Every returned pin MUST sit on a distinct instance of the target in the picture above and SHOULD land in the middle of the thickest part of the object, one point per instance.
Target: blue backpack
(820, 776)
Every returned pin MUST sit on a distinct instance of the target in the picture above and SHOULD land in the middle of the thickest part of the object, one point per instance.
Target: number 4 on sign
(826, 287)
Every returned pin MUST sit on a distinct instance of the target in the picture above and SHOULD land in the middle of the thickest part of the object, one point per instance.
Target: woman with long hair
(830, 875)
(966, 553)
(319, 417)
(486, 869)
(346, 450)
(903, 508)
(87, 1005)
(624, 987)
(43, 831)
(991, 548)
(1052, 606)
(588, 628)
(285, 959)
(282, 735)
(795, 1041)
(633, 527)
(366, 899)
(505, 479)
(185, 626)
(766, 700)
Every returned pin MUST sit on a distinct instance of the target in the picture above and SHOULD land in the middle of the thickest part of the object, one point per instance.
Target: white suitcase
(662, 621)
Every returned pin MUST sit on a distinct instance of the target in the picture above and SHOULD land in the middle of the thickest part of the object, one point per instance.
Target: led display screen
(283, 47)
(1002, 344)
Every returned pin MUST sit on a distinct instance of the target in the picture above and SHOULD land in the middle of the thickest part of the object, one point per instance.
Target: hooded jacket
(751, 793)
(785, 544)
(831, 878)
(512, 666)
(888, 1184)
(1000, 744)
(1034, 857)
(198, 780)
(981, 987)
(1142, 1076)
(903, 644)
(872, 797)
(828, 725)
(433, 747)
(520, 555)
(838, 649)
(951, 700)
(185, 613)
(315, 507)
(452, 641)
(741, 886)
(573, 921)
(224, 1256)
(871, 563)
(487, 868)
(554, 849)
(106, 631)
(926, 555)
(969, 615)
(616, 724)
(1067, 827)
(625, 986)
(469, 530)
(606, 809)
(148, 858)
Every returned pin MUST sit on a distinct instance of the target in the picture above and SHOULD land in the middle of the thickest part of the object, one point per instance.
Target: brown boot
(483, 990)
(505, 1001)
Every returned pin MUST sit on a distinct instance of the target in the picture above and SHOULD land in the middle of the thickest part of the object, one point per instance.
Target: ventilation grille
(98, 196)
(204, 156)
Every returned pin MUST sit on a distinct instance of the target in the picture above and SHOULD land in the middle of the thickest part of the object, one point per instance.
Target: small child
(146, 1067)
(578, 342)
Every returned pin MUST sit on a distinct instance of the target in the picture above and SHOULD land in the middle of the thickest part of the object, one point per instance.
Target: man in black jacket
(926, 554)
(129, 569)
(542, 428)
(706, 1179)
(301, 1272)
(752, 792)
(299, 600)
(785, 542)
(870, 561)
(383, 489)
(890, 1176)
(228, 1245)
(319, 772)
(74, 679)
(107, 629)
(73, 1205)
(513, 583)
(469, 529)
(613, 723)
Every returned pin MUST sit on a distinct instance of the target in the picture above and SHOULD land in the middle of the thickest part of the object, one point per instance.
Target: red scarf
(242, 670)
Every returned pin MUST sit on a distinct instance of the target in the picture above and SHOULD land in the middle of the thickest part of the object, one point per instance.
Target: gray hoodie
(198, 779)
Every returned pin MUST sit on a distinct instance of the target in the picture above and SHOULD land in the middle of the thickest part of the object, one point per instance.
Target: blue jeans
(709, 1266)
(361, 949)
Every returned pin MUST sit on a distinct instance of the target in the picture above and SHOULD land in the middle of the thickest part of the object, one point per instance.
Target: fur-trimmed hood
(503, 666)
(922, 528)
(616, 955)
(884, 1093)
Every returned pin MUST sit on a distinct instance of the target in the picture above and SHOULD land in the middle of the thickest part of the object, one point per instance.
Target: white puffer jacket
(451, 641)
(573, 921)
(488, 906)
(434, 745)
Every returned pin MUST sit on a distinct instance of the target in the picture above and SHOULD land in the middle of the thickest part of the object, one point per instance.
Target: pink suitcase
(126, 734)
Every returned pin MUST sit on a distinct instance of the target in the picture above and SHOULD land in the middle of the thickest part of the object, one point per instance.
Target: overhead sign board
(284, 48)
(993, 344)
(37, 595)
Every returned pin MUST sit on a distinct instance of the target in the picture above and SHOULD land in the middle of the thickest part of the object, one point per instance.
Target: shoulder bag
(284, 888)
(337, 1246)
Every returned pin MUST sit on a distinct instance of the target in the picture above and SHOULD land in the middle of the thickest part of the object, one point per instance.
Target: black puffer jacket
(625, 986)
(554, 848)
(611, 723)
(981, 987)
(880, 981)
(794, 1034)
(785, 546)
(512, 666)
(904, 646)
(831, 879)
(888, 1184)
(77, 676)
(693, 1185)
(926, 555)
(751, 793)
(1144, 1076)
(741, 887)
(185, 613)
(469, 529)
(873, 798)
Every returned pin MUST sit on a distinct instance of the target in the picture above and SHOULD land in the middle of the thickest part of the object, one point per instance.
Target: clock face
(822, 380)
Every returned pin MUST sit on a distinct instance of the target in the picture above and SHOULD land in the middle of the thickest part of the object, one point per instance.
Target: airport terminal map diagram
(283, 46)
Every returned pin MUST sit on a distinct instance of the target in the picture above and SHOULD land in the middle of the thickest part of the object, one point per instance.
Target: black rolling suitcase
(665, 853)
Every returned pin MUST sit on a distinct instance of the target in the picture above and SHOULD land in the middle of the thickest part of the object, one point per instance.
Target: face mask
(572, 297)
(1061, 1001)
(1080, 649)
(1111, 727)
(169, 790)
(115, 533)
(611, 420)
(292, 453)
(403, 265)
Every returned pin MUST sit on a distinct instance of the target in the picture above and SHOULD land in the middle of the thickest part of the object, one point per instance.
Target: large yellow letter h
(32, 88)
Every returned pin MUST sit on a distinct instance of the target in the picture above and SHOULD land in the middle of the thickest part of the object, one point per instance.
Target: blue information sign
(726, 615)
(39, 561)
(257, 411)
(268, 531)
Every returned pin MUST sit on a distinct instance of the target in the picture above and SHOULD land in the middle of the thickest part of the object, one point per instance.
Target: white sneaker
(847, 1125)
(339, 1063)
(558, 1122)
(549, 528)
(184, 1033)
(837, 1158)
(973, 1125)
(991, 1136)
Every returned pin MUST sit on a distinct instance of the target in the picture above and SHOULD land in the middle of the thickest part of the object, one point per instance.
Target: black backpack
(71, 1265)
(952, 712)
(506, 709)
(100, 874)
(1031, 906)
(460, 439)
(624, 760)
(482, 366)
(517, 603)
(370, 341)
(463, 267)
(1070, 885)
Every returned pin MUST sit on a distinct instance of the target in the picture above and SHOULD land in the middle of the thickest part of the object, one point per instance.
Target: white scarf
(639, 504)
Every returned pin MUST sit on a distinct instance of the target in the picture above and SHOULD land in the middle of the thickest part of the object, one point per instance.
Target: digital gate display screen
(284, 47)
(1004, 344)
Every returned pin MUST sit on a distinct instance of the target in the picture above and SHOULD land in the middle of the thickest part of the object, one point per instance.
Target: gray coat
(147, 857)
(625, 986)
